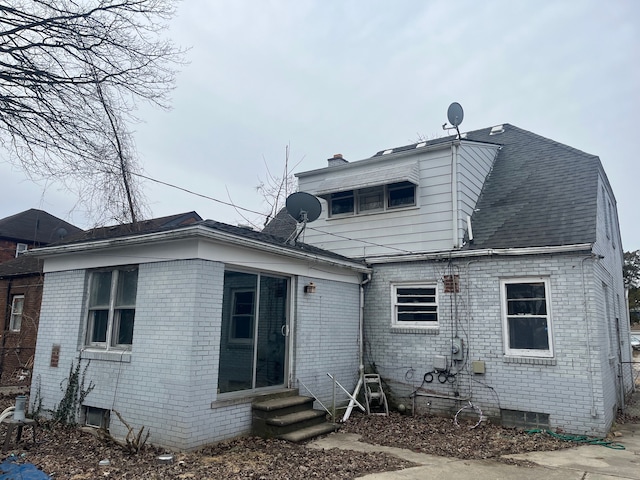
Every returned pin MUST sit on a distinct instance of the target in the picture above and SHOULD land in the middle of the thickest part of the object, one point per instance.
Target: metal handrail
(314, 396)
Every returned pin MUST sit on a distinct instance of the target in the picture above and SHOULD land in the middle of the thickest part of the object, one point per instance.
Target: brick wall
(168, 382)
(18, 347)
(570, 387)
(326, 336)
(7, 250)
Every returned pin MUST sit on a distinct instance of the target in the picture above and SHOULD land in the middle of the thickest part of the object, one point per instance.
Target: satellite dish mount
(455, 115)
(305, 208)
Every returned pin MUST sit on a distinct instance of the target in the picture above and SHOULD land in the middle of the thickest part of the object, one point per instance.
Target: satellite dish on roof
(455, 115)
(304, 207)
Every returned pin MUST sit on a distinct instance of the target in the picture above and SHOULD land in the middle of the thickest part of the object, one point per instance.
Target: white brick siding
(168, 382)
(566, 387)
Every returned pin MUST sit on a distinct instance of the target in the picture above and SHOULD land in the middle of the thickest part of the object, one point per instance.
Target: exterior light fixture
(310, 288)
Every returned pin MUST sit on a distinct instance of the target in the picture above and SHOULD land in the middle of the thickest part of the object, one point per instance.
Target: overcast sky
(356, 77)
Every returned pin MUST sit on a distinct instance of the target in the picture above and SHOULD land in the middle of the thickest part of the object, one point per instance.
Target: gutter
(486, 252)
(189, 233)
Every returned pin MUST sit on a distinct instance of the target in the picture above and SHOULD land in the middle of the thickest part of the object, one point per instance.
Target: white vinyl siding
(425, 227)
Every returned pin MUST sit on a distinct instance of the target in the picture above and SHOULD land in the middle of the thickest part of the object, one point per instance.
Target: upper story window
(527, 318)
(415, 305)
(21, 248)
(112, 307)
(17, 306)
(372, 199)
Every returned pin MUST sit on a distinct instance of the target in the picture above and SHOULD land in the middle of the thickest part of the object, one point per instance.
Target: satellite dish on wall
(303, 206)
(455, 115)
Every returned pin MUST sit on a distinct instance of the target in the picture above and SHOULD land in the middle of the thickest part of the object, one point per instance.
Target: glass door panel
(272, 324)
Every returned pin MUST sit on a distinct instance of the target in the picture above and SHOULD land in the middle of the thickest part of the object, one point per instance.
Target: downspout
(347, 413)
(454, 195)
(594, 413)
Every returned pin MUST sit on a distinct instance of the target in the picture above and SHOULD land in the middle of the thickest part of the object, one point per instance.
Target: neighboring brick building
(21, 288)
(20, 296)
(29, 229)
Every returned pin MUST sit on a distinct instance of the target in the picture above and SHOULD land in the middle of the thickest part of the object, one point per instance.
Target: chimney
(336, 160)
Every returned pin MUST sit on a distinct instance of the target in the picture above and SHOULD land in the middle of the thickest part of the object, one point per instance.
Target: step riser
(265, 413)
(276, 430)
(282, 411)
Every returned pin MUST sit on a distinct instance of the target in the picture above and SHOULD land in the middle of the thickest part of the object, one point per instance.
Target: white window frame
(15, 323)
(21, 248)
(396, 323)
(113, 316)
(235, 316)
(517, 352)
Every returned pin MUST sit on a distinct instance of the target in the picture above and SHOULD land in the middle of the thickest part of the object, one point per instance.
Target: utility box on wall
(457, 352)
(477, 366)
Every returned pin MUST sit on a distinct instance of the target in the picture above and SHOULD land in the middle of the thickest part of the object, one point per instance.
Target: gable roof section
(34, 227)
(539, 193)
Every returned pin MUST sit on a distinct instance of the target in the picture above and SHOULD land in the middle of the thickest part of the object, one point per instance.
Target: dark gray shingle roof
(34, 227)
(538, 193)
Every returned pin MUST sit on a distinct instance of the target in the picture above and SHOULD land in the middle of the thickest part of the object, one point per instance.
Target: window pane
(416, 295)
(127, 287)
(18, 303)
(402, 194)
(242, 327)
(123, 328)
(243, 303)
(422, 313)
(342, 203)
(529, 333)
(371, 199)
(99, 320)
(526, 299)
(100, 289)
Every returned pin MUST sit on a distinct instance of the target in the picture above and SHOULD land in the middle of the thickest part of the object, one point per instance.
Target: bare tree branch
(71, 75)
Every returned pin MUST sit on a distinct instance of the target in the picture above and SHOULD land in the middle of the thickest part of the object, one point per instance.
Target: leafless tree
(277, 187)
(72, 73)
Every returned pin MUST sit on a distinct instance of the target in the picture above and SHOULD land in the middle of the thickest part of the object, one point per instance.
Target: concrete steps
(291, 418)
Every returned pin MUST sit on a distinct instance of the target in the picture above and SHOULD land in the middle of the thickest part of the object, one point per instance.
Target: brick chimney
(336, 160)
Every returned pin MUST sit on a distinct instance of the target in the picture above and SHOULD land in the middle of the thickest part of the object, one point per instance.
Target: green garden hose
(579, 439)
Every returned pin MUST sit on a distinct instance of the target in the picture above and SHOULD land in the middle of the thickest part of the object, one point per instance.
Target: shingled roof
(35, 227)
(539, 193)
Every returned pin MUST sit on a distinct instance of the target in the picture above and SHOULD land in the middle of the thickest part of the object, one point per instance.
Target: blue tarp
(20, 471)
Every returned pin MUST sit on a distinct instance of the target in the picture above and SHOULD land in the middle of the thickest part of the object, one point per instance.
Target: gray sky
(355, 77)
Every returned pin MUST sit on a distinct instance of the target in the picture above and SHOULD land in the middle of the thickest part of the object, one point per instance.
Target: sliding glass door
(253, 342)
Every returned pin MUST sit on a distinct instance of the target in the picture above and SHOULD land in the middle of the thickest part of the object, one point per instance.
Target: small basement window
(96, 417)
(521, 419)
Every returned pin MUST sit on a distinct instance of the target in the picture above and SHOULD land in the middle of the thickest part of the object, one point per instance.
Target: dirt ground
(71, 453)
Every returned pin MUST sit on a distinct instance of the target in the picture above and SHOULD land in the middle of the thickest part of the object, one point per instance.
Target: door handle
(284, 330)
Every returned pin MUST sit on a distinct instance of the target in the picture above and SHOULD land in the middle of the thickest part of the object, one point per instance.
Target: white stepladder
(374, 395)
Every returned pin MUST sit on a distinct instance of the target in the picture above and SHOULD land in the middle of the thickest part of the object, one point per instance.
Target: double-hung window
(415, 305)
(112, 307)
(17, 305)
(527, 317)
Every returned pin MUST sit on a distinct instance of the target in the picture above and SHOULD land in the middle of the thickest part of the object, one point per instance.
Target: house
(181, 327)
(21, 288)
(485, 268)
(496, 275)
(29, 229)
